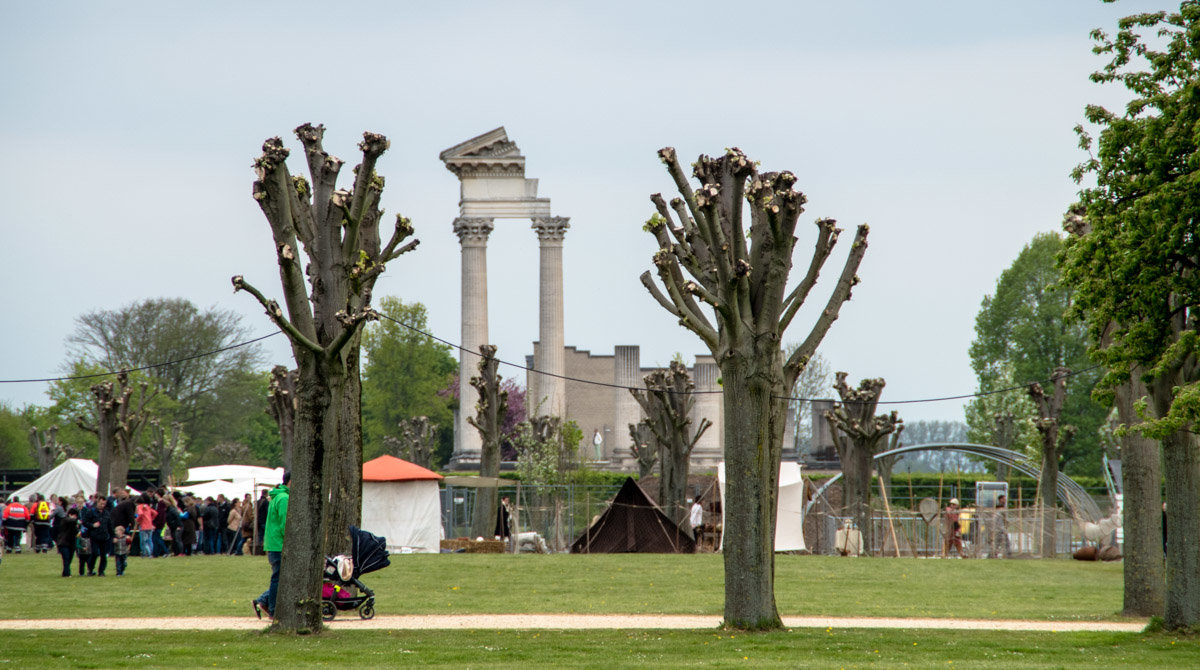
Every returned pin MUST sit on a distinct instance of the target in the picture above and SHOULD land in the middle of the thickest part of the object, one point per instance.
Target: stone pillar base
(463, 462)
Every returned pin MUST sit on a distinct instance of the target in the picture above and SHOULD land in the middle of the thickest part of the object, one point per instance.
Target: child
(121, 544)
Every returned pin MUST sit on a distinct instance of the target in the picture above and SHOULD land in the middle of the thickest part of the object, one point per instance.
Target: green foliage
(14, 439)
(211, 394)
(537, 459)
(1022, 333)
(404, 375)
(1134, 260)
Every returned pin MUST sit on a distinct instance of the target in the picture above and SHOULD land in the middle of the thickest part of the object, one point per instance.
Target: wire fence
(558, 514)
(551, 518)
(985, 533)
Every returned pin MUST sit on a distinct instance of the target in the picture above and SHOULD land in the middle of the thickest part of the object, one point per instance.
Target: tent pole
(887, 508)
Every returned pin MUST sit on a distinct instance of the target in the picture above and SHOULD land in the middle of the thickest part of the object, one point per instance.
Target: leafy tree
(405, 372)
(160, 330)
(706, 255)
(1022, 334)
(14, 440)
(1134, 256)
(337, 231)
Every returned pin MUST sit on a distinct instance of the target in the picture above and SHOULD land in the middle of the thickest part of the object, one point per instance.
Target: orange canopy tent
(401, 502)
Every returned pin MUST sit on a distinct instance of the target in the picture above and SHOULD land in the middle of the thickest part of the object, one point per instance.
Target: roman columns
(551, 387)
(491, 173)
(473, 236)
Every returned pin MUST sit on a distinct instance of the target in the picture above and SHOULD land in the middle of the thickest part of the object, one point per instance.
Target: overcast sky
(128, 130)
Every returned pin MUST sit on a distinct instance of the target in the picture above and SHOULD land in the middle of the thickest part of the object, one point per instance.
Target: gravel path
(558, 622)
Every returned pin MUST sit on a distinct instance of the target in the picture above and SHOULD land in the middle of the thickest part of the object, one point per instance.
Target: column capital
(551, 228)
(473, 230)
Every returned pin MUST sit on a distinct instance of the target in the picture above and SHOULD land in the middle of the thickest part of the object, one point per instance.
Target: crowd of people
(154, 524)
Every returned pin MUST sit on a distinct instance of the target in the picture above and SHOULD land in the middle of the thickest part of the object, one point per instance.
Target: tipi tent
(70, 477)
(789, 520)
(400, 501)
(633, 524)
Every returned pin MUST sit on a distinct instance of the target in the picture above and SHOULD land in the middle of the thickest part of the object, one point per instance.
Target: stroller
(368, 553)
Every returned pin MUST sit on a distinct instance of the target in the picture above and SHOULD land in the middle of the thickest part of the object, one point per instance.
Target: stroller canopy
(368, 551)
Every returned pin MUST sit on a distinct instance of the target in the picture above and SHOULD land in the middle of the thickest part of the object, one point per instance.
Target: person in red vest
(16, 521)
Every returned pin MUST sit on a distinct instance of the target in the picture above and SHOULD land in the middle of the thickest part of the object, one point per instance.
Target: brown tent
(633, 524)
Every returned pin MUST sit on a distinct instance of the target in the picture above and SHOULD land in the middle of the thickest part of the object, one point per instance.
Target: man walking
(273, 544)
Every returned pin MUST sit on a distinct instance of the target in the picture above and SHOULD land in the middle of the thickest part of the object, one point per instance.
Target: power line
(144, 367)
(618, 386)
(459, 347)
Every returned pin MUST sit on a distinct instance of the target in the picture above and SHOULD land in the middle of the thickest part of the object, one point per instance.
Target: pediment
(492, 144)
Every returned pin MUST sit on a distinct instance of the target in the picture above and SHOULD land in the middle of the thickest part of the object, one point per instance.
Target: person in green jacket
(273, 544)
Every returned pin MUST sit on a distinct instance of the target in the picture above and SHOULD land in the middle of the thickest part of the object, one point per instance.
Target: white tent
(400, 502)
(70, 477)
(256, 473)
(789, 521)
(230, 489)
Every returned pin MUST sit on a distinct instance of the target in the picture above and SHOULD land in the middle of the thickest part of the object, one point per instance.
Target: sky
(128, 131)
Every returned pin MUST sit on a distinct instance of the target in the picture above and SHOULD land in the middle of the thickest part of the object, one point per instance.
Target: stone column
(473, 236)
(627, 374)
(551, 389)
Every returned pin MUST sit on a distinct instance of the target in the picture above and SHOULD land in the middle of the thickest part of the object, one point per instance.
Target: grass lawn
(465, 584)
(609, 649)
(619, 584)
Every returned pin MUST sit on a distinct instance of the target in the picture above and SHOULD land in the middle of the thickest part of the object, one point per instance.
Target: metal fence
(986, 533)
(558, 514)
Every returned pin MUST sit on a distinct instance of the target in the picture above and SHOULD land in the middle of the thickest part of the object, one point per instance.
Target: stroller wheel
(328, 610)
(367, 611)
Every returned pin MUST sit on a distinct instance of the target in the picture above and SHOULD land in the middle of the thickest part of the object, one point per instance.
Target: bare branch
(276, 315)
(840, 295)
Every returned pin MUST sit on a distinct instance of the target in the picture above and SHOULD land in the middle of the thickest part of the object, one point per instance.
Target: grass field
(429, 584)
(620, 584)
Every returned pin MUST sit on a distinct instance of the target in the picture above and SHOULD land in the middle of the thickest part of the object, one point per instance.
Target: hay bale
(469, 546)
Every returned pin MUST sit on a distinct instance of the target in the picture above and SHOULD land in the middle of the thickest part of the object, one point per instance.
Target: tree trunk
(281, 406)
(489, 417)
(345, 485)
(1181, 465)
(1141, 477)
(1047, 492)
(298, 606)
(754, 424)
(672, 486)
(856, 487)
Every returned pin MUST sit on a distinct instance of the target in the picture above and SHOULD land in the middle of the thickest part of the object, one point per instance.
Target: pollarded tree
(667, 402)
(1055, 437)
(707, 255)
(644, 447)
(281, 406)
(858, 435)
(117, 420)
(416, 443)
(488, 420)
(44, 445)
(163, 452)
(338, 231)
